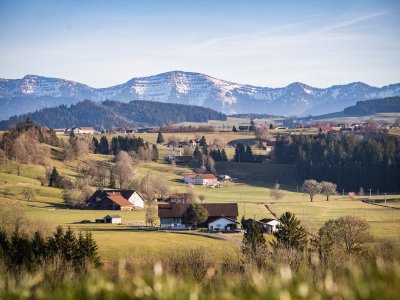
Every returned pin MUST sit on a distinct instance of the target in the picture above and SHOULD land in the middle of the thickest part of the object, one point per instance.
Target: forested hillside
(116, 114)
(369, 107)
(352, 162)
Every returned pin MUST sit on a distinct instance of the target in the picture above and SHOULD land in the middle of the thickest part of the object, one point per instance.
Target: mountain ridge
(34, 92)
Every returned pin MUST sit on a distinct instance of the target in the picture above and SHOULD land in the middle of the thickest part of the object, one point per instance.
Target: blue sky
(267, 43)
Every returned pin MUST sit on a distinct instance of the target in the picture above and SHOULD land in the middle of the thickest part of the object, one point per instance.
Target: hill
(34, 92)
(370, 107)
(109, 114)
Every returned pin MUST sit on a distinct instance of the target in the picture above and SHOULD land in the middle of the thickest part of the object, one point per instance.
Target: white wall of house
(220, 224)
(274, 225)
(136, 200)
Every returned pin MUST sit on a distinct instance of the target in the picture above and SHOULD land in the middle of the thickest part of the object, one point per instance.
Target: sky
(262, 43)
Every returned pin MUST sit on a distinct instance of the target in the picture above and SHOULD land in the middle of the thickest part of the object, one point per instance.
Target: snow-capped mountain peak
(34, 92)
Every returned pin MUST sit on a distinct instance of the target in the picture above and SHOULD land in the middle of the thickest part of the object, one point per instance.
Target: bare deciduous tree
(328, 189)
(262, 133)
(276, 192)
(311, 187)
(124, 168)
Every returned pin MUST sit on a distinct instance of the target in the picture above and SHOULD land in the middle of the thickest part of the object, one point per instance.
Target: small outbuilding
(113, 219)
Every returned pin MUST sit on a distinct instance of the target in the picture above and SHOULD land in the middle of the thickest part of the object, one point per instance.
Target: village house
(221, 216)
(270, 225)
(201, 179)
(59, 131)
(325, 128)
(116, 200)
(244, 128)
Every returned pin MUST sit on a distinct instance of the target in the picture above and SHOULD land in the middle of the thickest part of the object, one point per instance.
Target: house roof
(325, 128)
(176, 210)
(226, 219)
(118, 199)
(112, 216)
(59, 130)
(207, 176)
(86, 128)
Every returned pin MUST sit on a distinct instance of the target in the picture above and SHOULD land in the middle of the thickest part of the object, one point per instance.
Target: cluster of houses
(221, 216)
(202, 179)
(75, 130)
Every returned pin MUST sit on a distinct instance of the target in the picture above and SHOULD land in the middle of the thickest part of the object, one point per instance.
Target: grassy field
(384, 222)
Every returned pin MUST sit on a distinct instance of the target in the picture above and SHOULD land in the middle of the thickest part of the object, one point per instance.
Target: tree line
(108, 114)
(20, 252)
(371, 161)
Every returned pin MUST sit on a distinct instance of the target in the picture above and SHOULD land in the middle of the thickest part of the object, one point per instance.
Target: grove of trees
(369, 161)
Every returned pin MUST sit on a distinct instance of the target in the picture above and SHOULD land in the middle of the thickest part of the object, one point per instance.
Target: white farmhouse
(222, 224)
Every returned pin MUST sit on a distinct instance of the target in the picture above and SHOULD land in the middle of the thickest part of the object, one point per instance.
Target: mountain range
(34, 92)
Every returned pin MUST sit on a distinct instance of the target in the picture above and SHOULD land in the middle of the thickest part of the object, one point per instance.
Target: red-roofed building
(205, 179)
(325, 128)
(171, 215)
(116, 200)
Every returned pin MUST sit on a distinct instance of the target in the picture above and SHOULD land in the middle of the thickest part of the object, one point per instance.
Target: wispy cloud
(354, 20)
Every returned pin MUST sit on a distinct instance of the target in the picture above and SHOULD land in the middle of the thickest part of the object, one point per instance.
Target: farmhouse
(244, 128)
(223, 224)
(116, 200)
(189, 179)
(59, 131)
(171, 215)
(325, 128)
(205, 179)
(270, 225)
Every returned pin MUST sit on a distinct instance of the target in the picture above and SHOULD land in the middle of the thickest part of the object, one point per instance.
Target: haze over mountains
(34, 92)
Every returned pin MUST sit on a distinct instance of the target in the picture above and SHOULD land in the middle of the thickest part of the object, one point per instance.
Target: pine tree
(69, 245)
(234, 129)
(55, 178)
(104, 147)
(253, 245)
(252, 126)
(160, 138)
(203, 141)
(224, 157)
(154, 153)
(90, 249)
(197, 154)
(95, 145)
(249, 154)
(290, 233)
(239, 153)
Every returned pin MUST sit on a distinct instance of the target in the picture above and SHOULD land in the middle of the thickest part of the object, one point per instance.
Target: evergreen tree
(104, 147)
(271, 126)
(252, 126)
(203, 141)
(239, 153)
(197, 154)
(195, 214)
(249, 154)
(234, 129)
(154, 153)
(290, 233)
(55, 180)
(69, 245)
(224, 157)
(95, 145)
(253, 244)
(160, 138)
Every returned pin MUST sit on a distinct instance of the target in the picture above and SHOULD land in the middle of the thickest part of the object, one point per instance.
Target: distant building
(59, 131)
(325, 128)
(244, 128)
(116, 200)
(205, 179)
(171, 216)
(113, 219)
